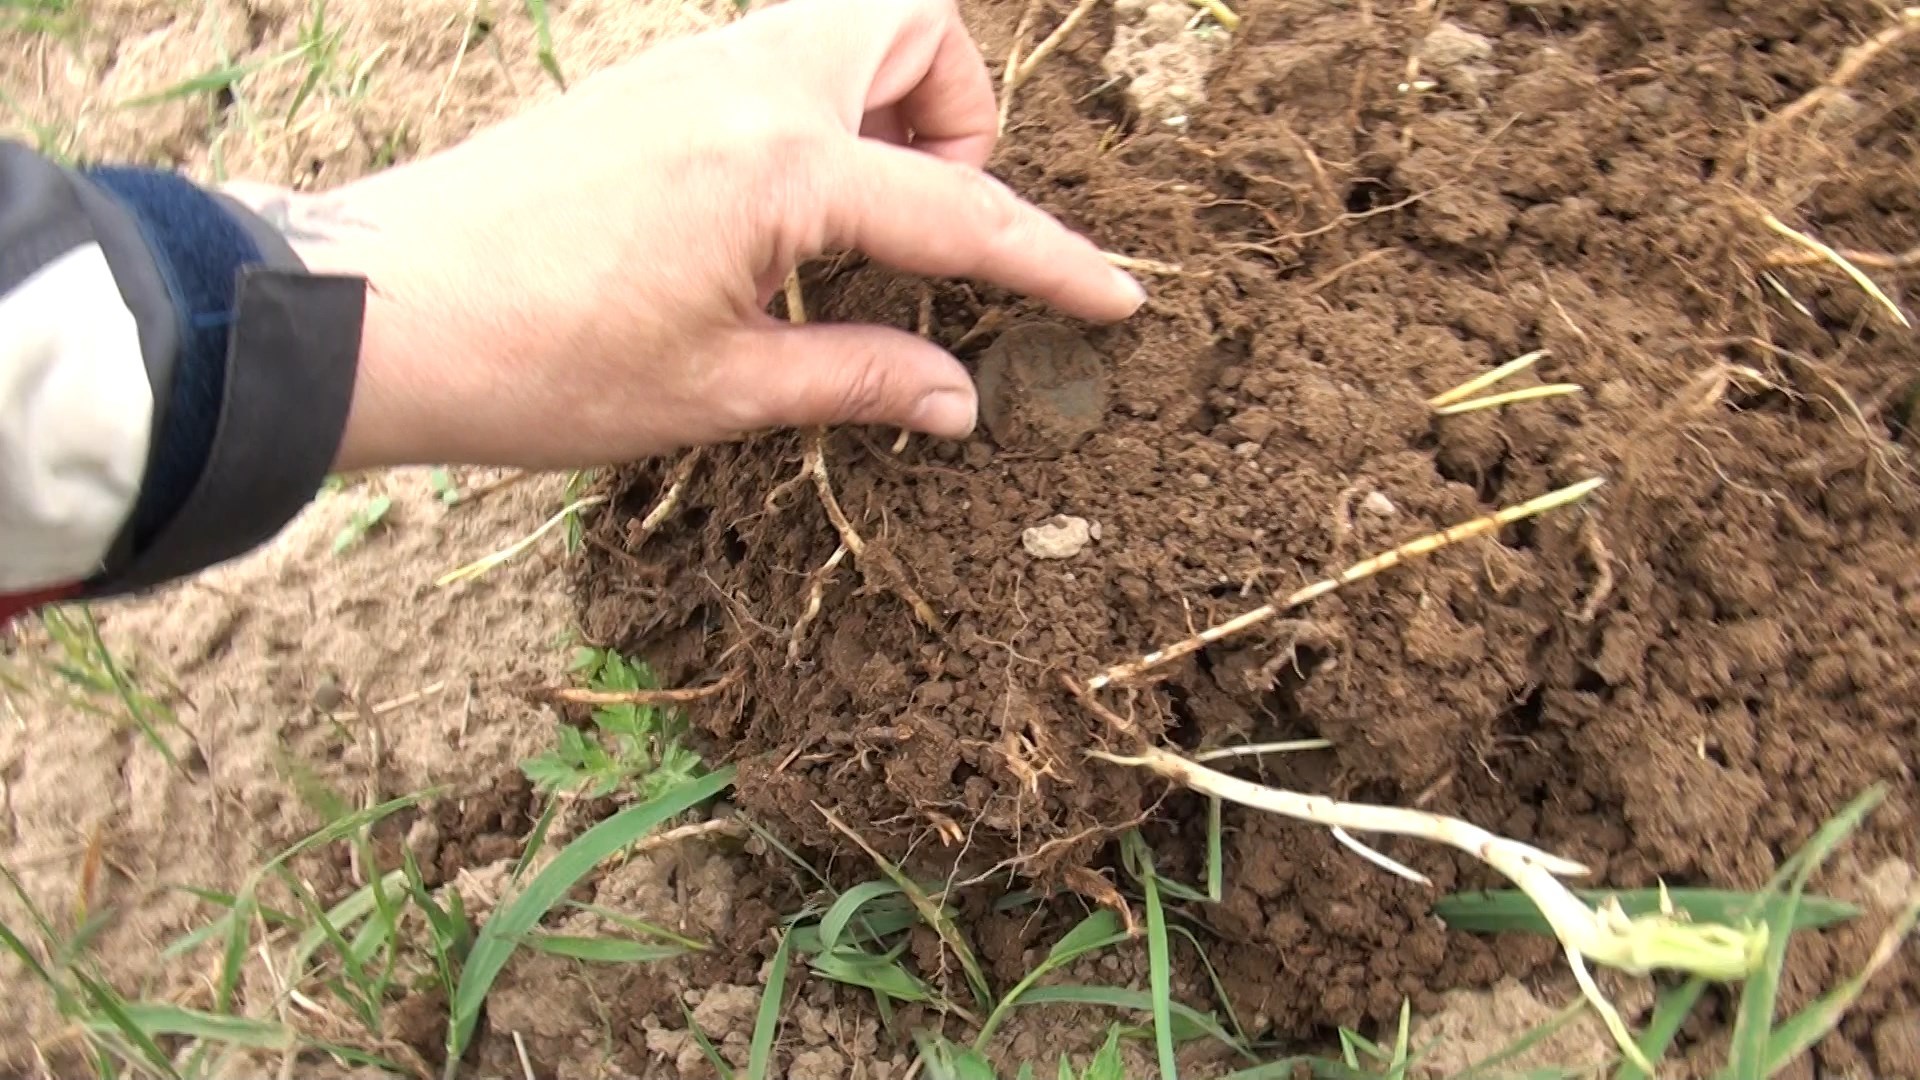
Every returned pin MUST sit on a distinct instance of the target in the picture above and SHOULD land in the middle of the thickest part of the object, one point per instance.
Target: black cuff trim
(292, 357)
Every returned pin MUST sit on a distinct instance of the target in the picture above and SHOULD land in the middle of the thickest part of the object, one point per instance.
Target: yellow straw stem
(1510, 397)
(1859, 276)
(1386, 560)
(1481, 382)
(1221, 13)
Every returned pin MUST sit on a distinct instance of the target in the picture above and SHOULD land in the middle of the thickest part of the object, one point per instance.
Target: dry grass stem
(1485, 379)
(1148, 266)
(1221, 13)
(1051, 42)
(1510, 397)
(1846, 267)
(1425, 545)
(391, 704)
(1866, 260)
(720, 826)
(1260, 749)
(1010, 74)
(577, 696)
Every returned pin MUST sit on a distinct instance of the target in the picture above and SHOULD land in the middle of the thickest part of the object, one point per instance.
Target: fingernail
(1131, 285)
(949, 414)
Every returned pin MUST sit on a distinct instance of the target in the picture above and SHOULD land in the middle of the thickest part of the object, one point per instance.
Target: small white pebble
(1059, 537)
(1378, 504)
(1094, 530)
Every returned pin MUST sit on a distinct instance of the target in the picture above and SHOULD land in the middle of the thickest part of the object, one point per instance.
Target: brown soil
(1679, 679)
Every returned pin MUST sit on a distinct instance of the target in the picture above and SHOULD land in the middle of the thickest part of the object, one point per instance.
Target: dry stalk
(1150, 266)
(1010, 74)
(1867, 260)
(577, 696)
(1051, 42)
(1846, 266)
(1425, 545)
(1221, 13)
(1509, 397)
(1485, 379)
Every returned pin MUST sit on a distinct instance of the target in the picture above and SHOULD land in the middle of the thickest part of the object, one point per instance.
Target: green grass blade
(1213, 977)
(159, 1018)
(639, 926)
(512, 920)
(879, 974)
(934, 914)
(543, 35)
(1808, 1026)
(31, 962)
(601, 950)
(707, 1049)
(849, 904)
(537, 841)
(124, 690)
(1215, 861)
(1509, 911)
(224, 77)
(107, 1002)
(1159, 970)
(767, 1024)
(1753, 1020)
(1668, 1014)
(1093, 933)
(342, 915)
(234, 956)
(1114, 997)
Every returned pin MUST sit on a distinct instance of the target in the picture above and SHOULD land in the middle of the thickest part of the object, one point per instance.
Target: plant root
(669, 500)
(1636, 945)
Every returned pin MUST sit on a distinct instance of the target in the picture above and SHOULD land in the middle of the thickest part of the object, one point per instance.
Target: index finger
(913, 56)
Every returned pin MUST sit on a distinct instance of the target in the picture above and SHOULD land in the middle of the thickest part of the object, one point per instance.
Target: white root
(1608, 935)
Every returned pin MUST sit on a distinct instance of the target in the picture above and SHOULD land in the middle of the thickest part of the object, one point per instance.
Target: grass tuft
(516, 918)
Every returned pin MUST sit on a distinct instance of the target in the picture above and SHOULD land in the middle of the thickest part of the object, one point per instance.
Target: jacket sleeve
(173, 381)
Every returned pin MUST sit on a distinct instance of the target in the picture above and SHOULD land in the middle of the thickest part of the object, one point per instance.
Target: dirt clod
(1059, 537)
(1043, 388)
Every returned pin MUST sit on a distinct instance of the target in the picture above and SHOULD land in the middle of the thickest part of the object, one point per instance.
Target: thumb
(848, 373)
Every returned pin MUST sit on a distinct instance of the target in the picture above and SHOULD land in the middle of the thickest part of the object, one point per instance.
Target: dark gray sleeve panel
(291, 359)
(285, 363)
(41, 217)
(45, 212)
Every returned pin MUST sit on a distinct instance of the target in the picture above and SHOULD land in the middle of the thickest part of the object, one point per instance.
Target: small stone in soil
(1059, 537)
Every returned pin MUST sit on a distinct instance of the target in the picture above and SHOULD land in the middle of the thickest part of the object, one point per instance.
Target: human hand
(588, 282)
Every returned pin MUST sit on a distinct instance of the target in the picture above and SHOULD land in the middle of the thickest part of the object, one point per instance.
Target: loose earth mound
(1677, 679)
